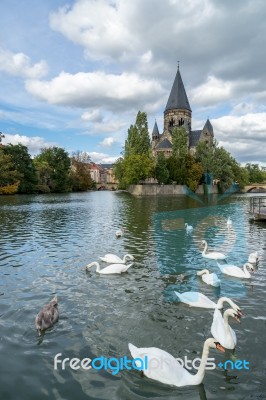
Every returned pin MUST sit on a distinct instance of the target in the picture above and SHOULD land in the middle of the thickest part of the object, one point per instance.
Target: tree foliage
(80, 172)
(24, 166)
(138, 140)
(161, 171)
(53, 165)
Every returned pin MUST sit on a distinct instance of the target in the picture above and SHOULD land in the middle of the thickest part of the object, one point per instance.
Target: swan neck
(205, 248)
(198, 378)
(223, 300)
(96, 264)
(204, 271)
(246, 271)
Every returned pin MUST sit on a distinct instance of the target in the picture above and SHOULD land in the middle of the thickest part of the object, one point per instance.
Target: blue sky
(75, 73)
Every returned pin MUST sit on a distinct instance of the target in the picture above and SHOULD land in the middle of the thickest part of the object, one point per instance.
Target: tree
(256, 174)
(132, 169)
(23, 164)
(194, 173)
(80, 172)
(161, 171)
(56, 164)
(138, 140)
(180, 143)
(8, 174)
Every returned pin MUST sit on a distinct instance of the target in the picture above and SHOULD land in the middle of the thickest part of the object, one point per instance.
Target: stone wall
(166, 190)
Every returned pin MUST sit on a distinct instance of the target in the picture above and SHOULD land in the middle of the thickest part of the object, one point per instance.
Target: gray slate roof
(194, 137)
(155, 131)
(164, 144)
(178, 97)
(107, 166)
(208, 126)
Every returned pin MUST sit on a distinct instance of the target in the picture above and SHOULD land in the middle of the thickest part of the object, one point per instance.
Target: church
(178, 113)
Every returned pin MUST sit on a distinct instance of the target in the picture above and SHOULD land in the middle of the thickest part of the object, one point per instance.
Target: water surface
(45, 243)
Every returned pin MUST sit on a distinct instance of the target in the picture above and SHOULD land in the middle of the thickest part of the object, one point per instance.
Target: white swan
(119, 233)
(229, 223)
(222, 331)
(168, 370)
(111, 269)
(233, 270)
(211, 279)
(189, 228)
(196, 299)
(214, 255)
(254, 258)
(47, 316)
(112, 258)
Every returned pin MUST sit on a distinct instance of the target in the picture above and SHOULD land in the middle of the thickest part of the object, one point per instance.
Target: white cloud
(34, 143)
(19, 64)
(102, 158)
(96, 89)
(92, 116)
(107, 142)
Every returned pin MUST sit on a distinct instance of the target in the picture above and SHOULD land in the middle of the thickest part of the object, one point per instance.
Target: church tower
(177, 111)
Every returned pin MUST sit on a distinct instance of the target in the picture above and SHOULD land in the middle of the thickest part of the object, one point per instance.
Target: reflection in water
(45, 244)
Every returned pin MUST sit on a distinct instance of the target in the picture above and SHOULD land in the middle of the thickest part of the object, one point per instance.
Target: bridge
(255, 188)
(106, 186)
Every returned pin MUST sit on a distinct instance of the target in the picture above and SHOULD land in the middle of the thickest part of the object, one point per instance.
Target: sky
(74, 74)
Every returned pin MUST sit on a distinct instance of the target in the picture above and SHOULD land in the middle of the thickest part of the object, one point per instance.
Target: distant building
(102, 173)
(177, 113)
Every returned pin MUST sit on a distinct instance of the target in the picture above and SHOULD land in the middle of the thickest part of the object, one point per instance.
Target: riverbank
(168, 190)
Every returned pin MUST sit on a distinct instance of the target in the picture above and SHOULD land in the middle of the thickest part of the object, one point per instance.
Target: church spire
(178, 97)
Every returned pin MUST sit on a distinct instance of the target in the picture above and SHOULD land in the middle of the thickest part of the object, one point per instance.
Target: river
(47, 240)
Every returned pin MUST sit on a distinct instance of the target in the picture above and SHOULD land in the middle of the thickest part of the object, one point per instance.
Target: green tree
(80, 172)
(24, 166)
(56, 163)
(194, 173)
(256, 174)
(161, 171)
(132, 169)
(138, 140)
(8, 173)
(180, 143)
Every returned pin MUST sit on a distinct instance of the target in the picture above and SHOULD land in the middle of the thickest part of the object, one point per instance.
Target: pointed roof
(164, 144)
(208, 127)
(155, 131)
(178, 97)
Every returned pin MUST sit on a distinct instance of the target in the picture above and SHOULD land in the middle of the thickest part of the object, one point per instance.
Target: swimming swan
(112, 258)
(211, 279)
(222, 331)
(189, 228)
(233, 270)
(47, 316)
(254, 258)
(214, 255)
(196, 299)
(119, 233)
(111, 269)
(229, 223)
(170, 371)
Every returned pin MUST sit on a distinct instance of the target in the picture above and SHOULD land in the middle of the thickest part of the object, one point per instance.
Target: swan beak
(237, 317)
(240, 313)
(220, 347)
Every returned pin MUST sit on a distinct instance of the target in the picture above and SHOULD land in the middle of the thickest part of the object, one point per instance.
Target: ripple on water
(50, 239)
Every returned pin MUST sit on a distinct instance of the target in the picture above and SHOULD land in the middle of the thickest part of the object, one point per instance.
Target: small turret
(155, 132)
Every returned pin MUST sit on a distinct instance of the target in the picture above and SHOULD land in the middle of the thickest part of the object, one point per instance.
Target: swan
(229, 223)
(168, 370)
(254, 258)
(196, 299)
(214, 255)
(111, 269)
(119, 233)
(233, 270)
(112, 258)
(222, 331)
(210, 279)
(189, 228)
(47, 316)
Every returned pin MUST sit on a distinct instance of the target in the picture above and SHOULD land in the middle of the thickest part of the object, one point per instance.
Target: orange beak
(220, 347)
